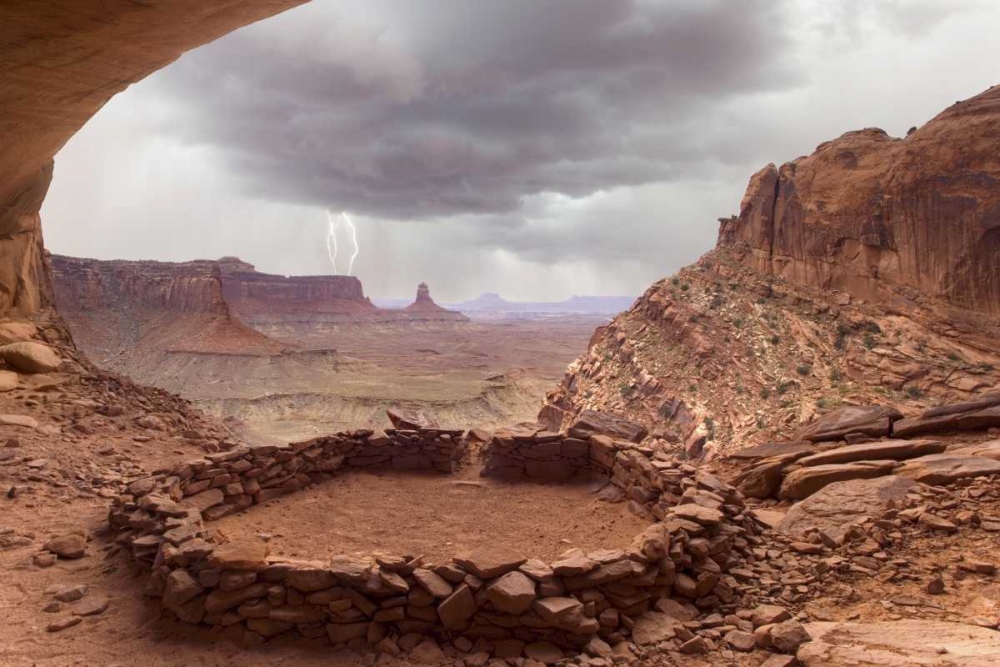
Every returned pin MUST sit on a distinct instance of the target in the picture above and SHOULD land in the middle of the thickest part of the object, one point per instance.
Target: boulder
(592, 422)
(804, 482)
(30, 357)
(15, 332)
(837, 506)
(872, 420)
(70, 546)
(938, 469)
(763, 480)
(906, 643)
(883, 450)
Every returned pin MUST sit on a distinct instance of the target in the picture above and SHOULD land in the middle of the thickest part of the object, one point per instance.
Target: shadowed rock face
(879, 217)
(62, 61)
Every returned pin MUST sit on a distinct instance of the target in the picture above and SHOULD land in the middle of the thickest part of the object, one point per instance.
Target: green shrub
(804, 369)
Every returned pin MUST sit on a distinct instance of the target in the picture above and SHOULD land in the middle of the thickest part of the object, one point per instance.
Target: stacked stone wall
(391, 601)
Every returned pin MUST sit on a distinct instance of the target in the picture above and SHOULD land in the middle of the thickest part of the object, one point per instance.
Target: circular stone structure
(491, 594)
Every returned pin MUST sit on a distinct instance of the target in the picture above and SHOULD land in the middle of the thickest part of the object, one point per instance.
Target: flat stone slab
(839, 505)
(804, 482)
(769, 449)
(909, 643)
(884, 450)
(980, 420)
(592, 422)
(870, 420)
(946, 468)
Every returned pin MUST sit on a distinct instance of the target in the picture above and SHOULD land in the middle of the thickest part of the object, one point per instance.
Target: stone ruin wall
(701, 532)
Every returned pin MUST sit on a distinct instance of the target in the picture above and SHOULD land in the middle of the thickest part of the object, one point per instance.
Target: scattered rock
(63, 623)
(91, 606)
(71, 593)
(740, 640)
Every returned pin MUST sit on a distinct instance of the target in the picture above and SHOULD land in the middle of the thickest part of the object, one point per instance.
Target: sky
(536, 149)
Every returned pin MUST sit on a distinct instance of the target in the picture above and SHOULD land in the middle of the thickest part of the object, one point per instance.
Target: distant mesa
(491, 303)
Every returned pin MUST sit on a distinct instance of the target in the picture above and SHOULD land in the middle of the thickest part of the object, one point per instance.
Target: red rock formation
(113, 307)
(864, 273)
(884, 218)
(62, 61)
(90, 285)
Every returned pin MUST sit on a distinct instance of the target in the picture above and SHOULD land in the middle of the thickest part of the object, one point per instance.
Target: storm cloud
(555, 147)
(417, 110)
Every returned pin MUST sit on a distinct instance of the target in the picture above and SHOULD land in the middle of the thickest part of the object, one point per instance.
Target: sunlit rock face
(886, 219)
(62, 61)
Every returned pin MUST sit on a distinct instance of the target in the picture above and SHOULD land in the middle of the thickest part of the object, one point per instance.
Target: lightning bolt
(354, 239)
(331, 240)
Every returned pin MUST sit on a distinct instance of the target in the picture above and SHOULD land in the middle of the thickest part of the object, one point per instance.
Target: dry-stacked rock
(511, 601)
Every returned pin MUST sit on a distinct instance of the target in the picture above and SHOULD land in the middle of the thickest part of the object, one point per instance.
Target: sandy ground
(436, 516)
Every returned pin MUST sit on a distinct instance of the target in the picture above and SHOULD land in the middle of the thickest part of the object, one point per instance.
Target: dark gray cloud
(412, 110)
(538, 148)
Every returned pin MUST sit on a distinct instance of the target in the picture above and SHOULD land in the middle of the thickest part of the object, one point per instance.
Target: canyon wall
(62, 61)
(89, 285)
(881, 218)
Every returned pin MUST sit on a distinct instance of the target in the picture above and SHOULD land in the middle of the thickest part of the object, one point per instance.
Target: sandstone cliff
(864, 273)
(123, 311)
(886, 219)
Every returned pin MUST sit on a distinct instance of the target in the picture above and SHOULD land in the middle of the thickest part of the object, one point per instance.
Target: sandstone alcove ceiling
(62, 61)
